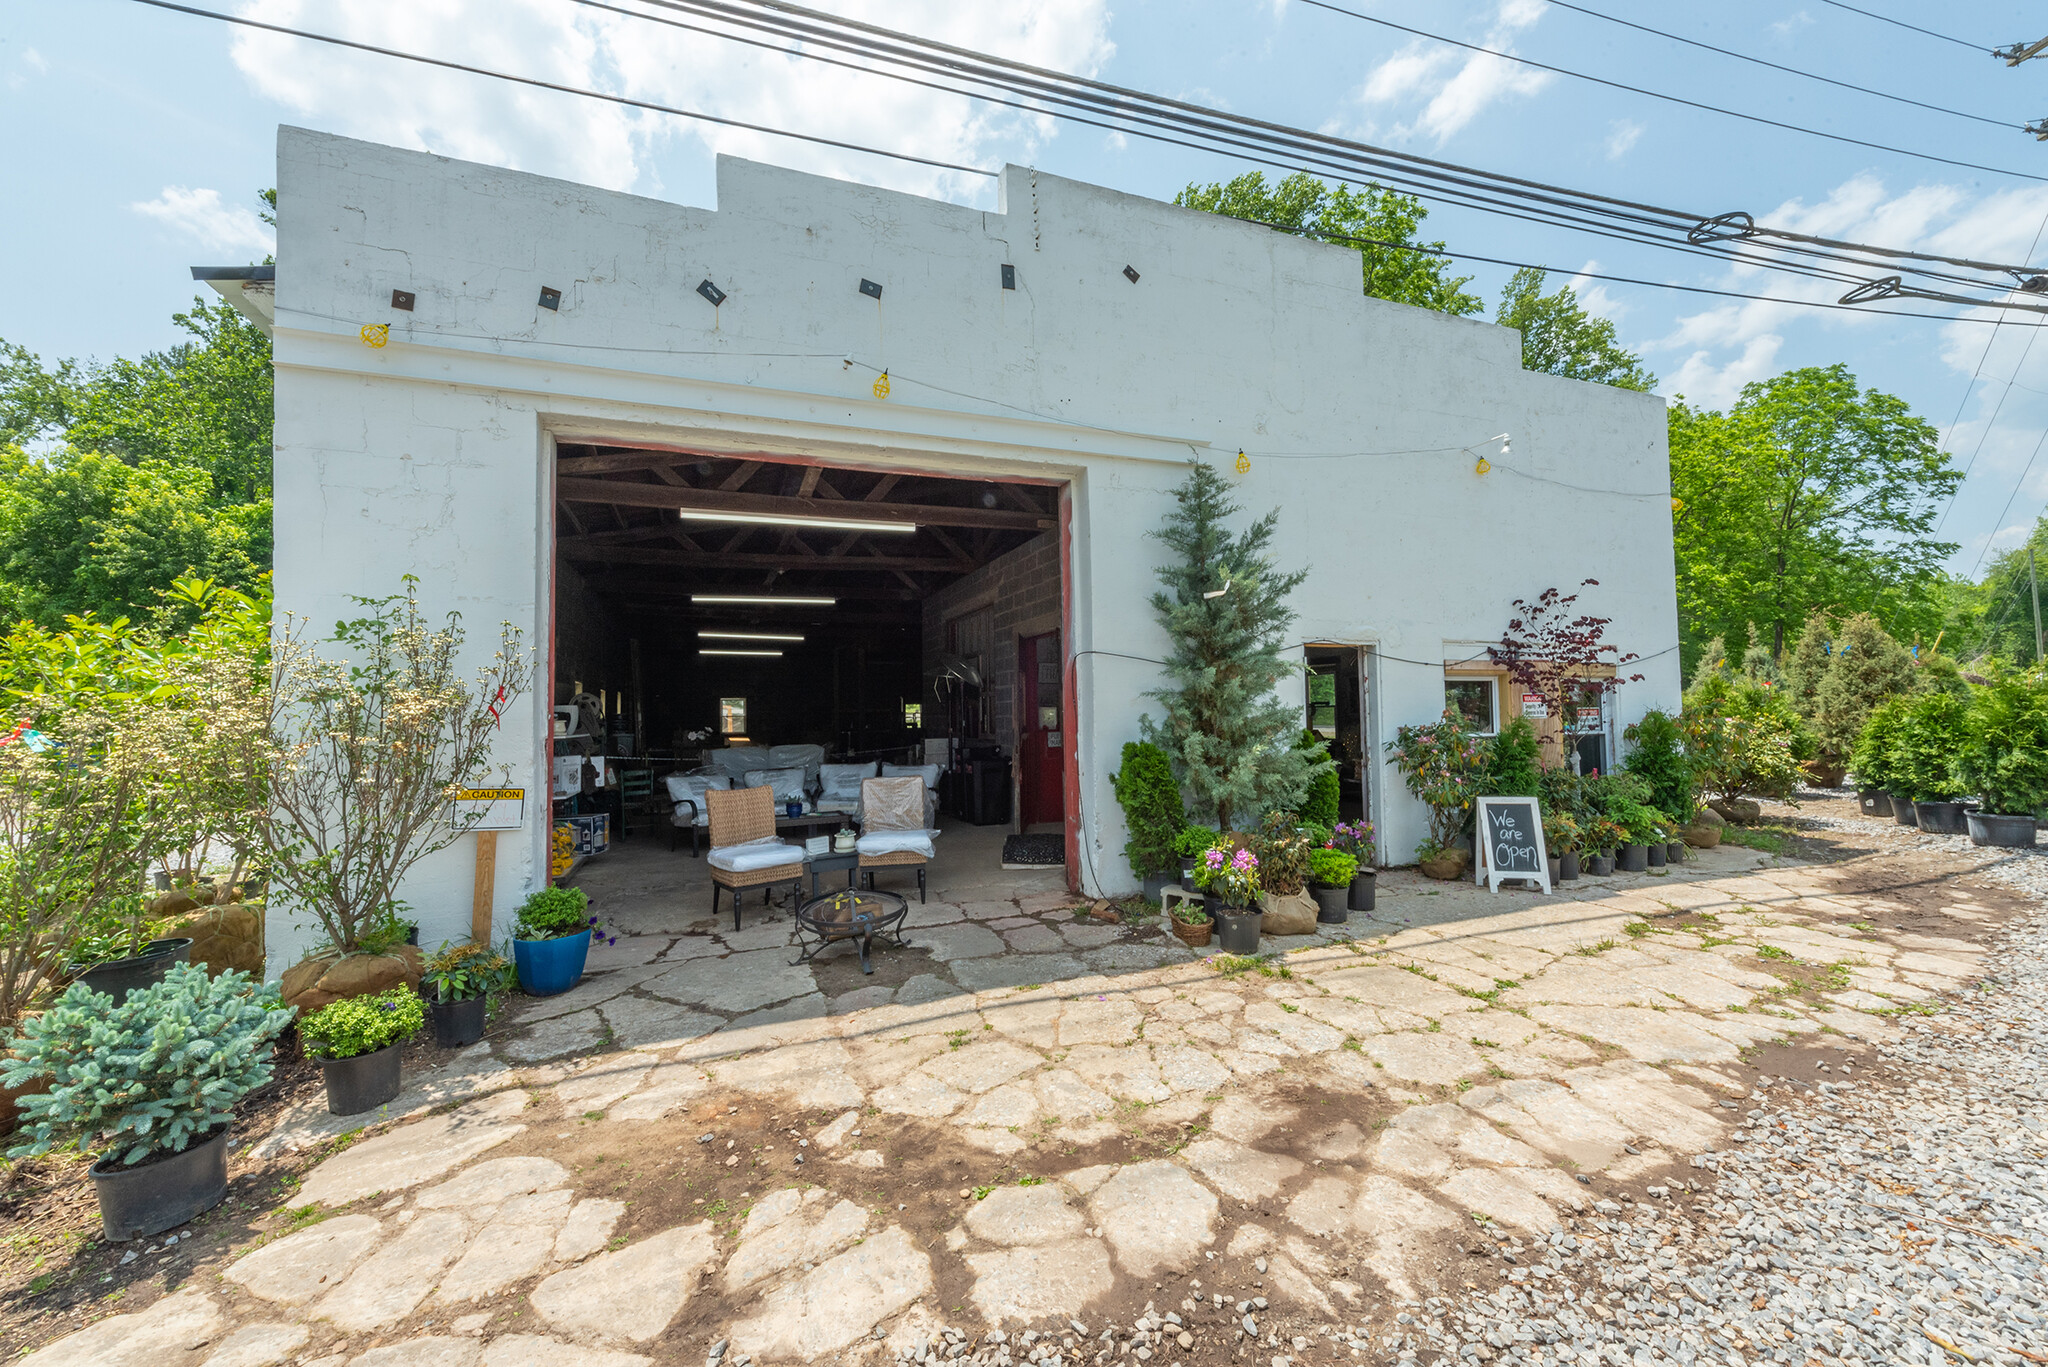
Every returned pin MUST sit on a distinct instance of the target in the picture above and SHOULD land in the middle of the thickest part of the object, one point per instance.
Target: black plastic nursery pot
(1568, 867)
(457, 1023)
(1599, 865)
(1632, 858)
(1902, 810)
(163, 1191)
(1940, 818)
(2004, 832)
(1153, 883)
(1333, 902)
(118, 977)
(1657, 854)
(362, 1083)
(1874, 801)
(1237, 929)
(1364, 891)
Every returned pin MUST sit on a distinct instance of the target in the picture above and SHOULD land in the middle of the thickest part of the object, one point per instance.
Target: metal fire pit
(851, 914)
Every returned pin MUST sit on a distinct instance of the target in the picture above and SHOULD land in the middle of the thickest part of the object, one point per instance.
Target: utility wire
(556, 86)
(2006, 393)
(1789, 70)
(1659, 95)
(1887, 19)
(810, 26)
(2018, 484)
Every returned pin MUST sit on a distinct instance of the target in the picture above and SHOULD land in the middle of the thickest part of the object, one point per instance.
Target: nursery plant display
(1924, 758)
(1743, 740)
(1191, 924)
(1514, 767)
(1442, 763)
(367, 736)
(1659, 761)
(552, 941)
(357, 1042)
(1357, 839)
(151, 1083)
(1229, 873)
(458, 983)
(1283, 848)
(2004, 757)
(1188, 848)
(1878, 783)
(1330, 873)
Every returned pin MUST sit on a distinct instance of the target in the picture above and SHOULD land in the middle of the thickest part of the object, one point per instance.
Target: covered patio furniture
(893, 829)
(745, 852)
(687, 809)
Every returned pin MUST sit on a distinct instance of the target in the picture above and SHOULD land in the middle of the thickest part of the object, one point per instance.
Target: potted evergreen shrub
(151, 1082)
(1329, 882)
(1355, 838)
(1925, 754)
(1229, 874)
(357, 1041)
(1871, 758)
(459, 981)
(1153, 814)
(1191, 924)
(552, 940)
(2004, 758)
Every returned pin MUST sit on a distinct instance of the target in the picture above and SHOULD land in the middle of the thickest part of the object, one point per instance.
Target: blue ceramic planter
(548, 968)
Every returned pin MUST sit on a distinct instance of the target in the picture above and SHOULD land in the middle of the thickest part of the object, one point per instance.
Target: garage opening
(718, 615)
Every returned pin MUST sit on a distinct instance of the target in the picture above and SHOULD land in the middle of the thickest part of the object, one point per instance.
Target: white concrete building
(1060, 358)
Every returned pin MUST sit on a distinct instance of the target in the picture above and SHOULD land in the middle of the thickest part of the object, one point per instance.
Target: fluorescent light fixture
(772, 654)
(827, 524)
(763, 600)
(745, 636)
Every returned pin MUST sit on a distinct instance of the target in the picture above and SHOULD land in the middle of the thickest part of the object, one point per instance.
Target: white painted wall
(430, 455)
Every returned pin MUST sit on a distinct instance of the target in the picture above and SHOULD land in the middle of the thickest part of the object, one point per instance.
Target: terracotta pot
(1195, 936)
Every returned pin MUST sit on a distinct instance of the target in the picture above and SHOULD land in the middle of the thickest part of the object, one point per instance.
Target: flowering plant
(1232, 873)
(1354, 838)
(1443, 764)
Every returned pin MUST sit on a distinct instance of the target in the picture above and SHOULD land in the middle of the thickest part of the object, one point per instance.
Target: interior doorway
(1336, 714)
(1041, 735)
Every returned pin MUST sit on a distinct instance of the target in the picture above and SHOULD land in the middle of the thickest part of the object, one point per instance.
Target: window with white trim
(1476, 699)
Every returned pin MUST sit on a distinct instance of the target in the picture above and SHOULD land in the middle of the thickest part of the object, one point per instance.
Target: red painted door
(1041, 730)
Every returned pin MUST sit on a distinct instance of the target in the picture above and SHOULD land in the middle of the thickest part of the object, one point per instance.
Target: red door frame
(1070, 690)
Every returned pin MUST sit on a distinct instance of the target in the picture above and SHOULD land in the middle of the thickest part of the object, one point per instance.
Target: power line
(1672, 99)
(2018, 484)
(1956, 492)
(557, 86)
(1887, 19)
(1789, 70)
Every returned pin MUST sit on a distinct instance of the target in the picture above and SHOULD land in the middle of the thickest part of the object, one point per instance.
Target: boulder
(328, 978)
(224, 937)
(1707, 816)
(1739, 810)
(1289, 914)
(1702, 837)
(174, 903)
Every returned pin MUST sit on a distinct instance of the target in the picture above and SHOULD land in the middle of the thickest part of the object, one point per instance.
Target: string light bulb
(1244, 462)
(882, 385)
(1482, 465)
(376, 334)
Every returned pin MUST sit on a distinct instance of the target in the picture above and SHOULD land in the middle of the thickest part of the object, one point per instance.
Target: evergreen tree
(1230, 738)
(1807, 662)
(1865, 667)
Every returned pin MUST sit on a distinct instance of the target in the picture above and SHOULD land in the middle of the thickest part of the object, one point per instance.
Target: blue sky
(138, 138)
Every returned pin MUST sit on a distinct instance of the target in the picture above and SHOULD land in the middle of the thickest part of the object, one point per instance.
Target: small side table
(1174, 892)
(831, 862)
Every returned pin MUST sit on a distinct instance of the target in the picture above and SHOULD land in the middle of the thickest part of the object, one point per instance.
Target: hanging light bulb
(1483, 466)
(882, 386)
(1244, 462)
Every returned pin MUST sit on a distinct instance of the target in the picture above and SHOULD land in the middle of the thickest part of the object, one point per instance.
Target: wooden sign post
(487, 811)
(1510, 842)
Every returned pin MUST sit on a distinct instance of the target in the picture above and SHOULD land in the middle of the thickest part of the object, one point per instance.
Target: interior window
(732, 716)
(1475, 700)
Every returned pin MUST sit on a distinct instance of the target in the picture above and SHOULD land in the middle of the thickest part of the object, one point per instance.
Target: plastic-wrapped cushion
(928, 772)
(736, 760)
(691, 788)
(787, 785)
(808, 758)
(897, 842)
(749, 855)
(892, 804)
(840, 785)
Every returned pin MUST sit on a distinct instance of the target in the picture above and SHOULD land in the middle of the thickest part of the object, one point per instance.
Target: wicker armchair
(744, 851)
(893, 834)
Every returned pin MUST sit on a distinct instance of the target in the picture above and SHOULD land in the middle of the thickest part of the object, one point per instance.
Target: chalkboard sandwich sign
(1511, 843)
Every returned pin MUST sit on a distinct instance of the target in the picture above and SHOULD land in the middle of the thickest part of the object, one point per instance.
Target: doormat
(1034, 851)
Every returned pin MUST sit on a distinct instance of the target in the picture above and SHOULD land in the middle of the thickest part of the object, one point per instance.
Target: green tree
(1303, 204)
(1865, 667)
(2003, 623)
(1809, 492)
(1560, 338)
(1229, 736)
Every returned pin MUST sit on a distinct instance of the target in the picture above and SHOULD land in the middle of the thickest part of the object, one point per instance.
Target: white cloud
(1455, 86)
(199, 214)
(1592, 294)
(1791, 24)
(497, 122)
(1622, 134)
(1708, 385)
(32, 63)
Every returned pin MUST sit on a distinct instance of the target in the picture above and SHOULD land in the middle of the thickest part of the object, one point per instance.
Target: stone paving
(1497, 1064)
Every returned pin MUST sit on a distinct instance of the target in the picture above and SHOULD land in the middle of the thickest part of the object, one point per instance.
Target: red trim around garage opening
(1070, 765)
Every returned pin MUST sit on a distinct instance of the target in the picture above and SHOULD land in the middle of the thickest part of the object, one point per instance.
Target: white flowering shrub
(148, 1076)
